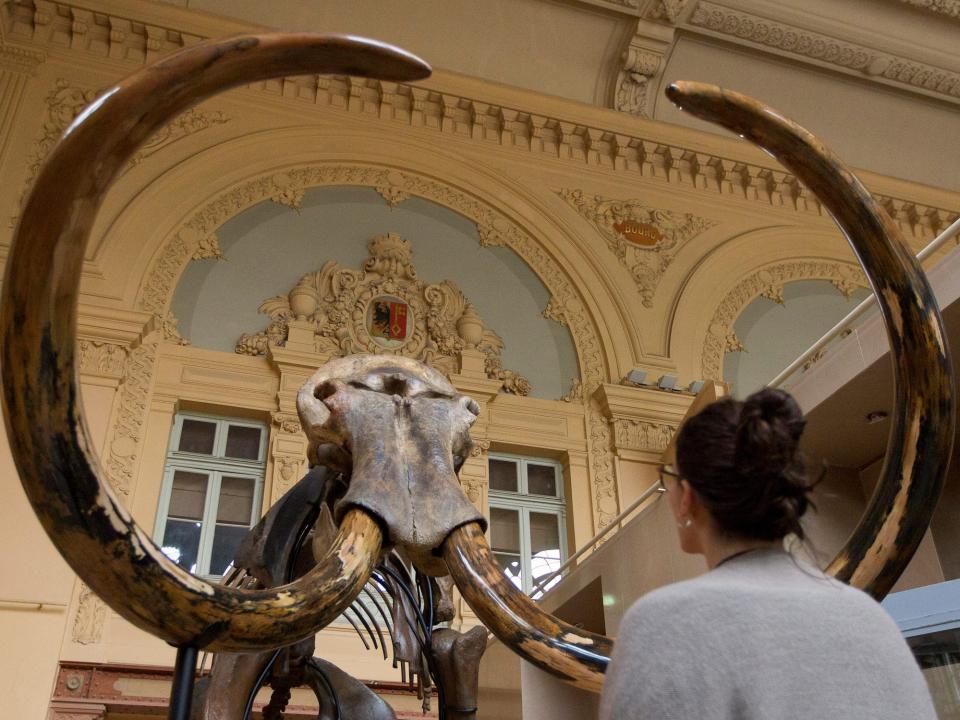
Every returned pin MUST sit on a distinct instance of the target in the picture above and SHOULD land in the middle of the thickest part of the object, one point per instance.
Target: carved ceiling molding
(450, 114)
(950, 8)
(384, 308)
(566, 305)
(816, 46)
(767, 282)
(65, 101)
(644, 239)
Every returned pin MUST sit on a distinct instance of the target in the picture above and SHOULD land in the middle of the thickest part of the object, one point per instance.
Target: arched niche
(773, 330)
(175, 218)
(270, 246)
(757, 263)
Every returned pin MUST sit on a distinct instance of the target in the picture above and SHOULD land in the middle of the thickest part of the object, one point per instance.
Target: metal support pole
(181, 692)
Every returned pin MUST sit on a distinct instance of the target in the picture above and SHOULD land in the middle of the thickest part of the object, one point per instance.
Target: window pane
(187, 495)
(236, 500)
(226, 540)
(181, 543)
(504, 530)
(511, 567)
(503, 475)
(243, 442)
(541, 479)
(197, 436)
(544, 544)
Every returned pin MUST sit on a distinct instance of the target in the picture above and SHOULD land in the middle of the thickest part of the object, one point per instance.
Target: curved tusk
(50, 443)
(921, 435)
(572, 654)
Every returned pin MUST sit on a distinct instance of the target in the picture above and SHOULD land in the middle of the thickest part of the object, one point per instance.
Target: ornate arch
(768, 281)
(196, 239)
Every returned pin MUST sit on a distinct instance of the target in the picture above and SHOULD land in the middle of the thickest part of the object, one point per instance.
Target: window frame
(524, 503)
(215, 467)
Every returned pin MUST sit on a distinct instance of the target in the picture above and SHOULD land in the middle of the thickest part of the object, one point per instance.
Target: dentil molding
(450, 114)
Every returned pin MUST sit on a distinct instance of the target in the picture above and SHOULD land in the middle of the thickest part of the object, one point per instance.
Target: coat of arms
(387, 320)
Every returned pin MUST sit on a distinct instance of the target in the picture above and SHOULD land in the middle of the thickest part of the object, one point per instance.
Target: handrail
(34, 604)
(654, 489)
(859, 310)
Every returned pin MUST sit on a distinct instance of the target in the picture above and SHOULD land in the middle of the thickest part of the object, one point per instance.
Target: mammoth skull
(401, 432)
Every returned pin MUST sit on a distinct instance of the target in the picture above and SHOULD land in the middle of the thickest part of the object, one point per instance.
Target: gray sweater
(765, 637)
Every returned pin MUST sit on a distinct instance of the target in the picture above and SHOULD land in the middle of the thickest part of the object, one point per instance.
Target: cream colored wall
(543, 177)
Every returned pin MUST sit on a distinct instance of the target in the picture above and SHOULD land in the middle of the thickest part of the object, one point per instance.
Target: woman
(761, 635)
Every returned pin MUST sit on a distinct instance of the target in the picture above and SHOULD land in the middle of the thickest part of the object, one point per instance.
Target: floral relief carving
(644, 239)
(437, 320)
(101, 358)
(288, 471)
(640, 66)
(190, 122)
(287, 423)
(642, 435)
(565, 307)
(767, 282)
(90, 618)
(670, 10)
(188, 244)
(64, 102)
(814, 45)
(950, 8)
(474, 485)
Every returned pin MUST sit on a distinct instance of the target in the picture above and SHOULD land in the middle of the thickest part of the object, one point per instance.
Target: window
(211, 491)
(527, 529)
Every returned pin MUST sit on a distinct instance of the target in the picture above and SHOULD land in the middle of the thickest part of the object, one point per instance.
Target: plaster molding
(799, 42)
(950, 8)
(642, 419)
(90, 618)
(335, 303)
(101, 359)
(20, 59)
(767, 282)
(476, 483)
(64, 103)
(566, 306)
(60, 710)
(189, 122)
(642, 435)
(670, 11)
(646, 257)
(287, 423)
(642, 64)
(599, 142)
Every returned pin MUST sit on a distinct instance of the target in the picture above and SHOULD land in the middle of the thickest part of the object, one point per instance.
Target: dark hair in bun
(742, 460)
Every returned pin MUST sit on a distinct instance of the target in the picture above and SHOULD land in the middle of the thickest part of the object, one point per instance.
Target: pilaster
(642, 421)
(17, 66)
(295, 363)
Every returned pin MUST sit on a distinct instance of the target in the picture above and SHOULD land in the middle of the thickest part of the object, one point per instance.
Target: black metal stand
(181, 692)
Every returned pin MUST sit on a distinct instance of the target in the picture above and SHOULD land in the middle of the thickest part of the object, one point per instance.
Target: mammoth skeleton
(403, 492)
